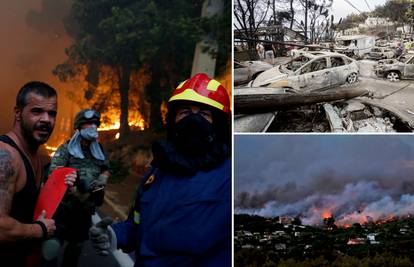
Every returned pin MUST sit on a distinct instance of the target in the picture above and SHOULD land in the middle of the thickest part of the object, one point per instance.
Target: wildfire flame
(51, 150)
(352, 205)
(326, 214)
(136, 121)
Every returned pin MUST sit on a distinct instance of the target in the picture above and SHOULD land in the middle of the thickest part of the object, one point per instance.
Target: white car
(299, 52)
(381, 53)
(245, 71)
(311, 71)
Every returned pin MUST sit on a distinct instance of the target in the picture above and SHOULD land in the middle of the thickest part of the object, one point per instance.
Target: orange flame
(51, 150)
(136, 121)
(326, 214)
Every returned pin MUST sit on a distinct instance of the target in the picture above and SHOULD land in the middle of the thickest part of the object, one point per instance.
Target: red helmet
(200, 88)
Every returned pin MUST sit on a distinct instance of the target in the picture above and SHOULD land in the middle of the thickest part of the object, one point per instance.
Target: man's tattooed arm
(11, 229)
(7, 182)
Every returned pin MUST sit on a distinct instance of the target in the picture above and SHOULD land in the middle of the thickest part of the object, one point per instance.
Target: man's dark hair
(38, 88)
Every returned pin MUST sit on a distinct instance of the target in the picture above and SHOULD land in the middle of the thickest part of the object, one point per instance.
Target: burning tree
(122, 38)
(107, 37)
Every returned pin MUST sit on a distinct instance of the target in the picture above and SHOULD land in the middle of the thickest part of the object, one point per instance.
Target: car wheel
(393, 76)
(352, 78)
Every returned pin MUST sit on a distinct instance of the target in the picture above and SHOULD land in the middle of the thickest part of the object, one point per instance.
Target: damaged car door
(340, 69)
(314, 75)
(409, 69)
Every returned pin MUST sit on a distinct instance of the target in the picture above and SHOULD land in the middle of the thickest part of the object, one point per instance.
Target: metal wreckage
(315, 92)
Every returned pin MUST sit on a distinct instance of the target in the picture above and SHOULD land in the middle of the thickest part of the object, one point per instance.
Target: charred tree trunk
(292, 13)
(124, 78)
(262, 100)
(306, 21)
(155, 116)
(153, 93)
(93, 80)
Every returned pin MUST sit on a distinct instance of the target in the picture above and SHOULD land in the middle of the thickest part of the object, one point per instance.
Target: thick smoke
(352, 178)
(360, 202)
(51, 18)
(33, 43)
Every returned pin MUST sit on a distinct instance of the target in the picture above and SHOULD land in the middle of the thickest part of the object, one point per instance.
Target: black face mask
(194, 135)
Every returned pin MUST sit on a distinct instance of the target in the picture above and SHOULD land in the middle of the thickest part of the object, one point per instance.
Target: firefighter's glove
(99, 184)
(101, 236)
(102, 180)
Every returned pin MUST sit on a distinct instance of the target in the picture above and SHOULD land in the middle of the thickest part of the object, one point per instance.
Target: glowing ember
(117, 136)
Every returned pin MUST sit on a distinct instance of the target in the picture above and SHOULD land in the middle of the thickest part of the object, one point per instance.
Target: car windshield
(409, 60)
(376, 50)
(294, 64)
(344, 42)
(284, 69)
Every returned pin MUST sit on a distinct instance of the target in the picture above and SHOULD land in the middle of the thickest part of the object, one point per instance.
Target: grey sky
(341, 8)
(316, 161)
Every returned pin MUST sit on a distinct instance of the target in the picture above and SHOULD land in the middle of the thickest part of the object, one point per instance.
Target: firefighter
(73, 216)
(182, 211)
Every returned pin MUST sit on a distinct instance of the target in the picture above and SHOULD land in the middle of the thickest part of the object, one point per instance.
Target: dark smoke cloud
(277, 175)
(51, 17)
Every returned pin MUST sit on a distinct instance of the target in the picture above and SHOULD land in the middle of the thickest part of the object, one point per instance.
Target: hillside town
(258, 240)
(297, 68)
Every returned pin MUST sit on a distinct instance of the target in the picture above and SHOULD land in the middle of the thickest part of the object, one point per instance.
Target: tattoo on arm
(7, 182)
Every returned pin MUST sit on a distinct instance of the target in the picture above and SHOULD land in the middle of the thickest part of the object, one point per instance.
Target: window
(318, 64)
(337, 61)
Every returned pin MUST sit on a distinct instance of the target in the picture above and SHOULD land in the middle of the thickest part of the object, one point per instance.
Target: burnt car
(310, 71)
(308, 49)
(341, 110)
(396, 69)
(378, 53)
(245, 71)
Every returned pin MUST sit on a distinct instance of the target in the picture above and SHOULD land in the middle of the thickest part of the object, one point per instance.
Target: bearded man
(21, 173)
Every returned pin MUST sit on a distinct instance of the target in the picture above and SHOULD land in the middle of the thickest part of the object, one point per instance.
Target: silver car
(381, 53)
(396, 69)
(311, 71)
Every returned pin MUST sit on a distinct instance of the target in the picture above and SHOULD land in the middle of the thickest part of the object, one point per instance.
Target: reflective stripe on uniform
(137, 217)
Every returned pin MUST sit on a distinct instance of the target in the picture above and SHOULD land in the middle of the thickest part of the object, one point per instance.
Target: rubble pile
(358, 117)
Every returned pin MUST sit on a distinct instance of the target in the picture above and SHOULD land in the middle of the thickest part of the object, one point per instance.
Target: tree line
(140, 48)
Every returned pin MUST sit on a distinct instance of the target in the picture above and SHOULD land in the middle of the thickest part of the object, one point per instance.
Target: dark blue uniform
(180, 221)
